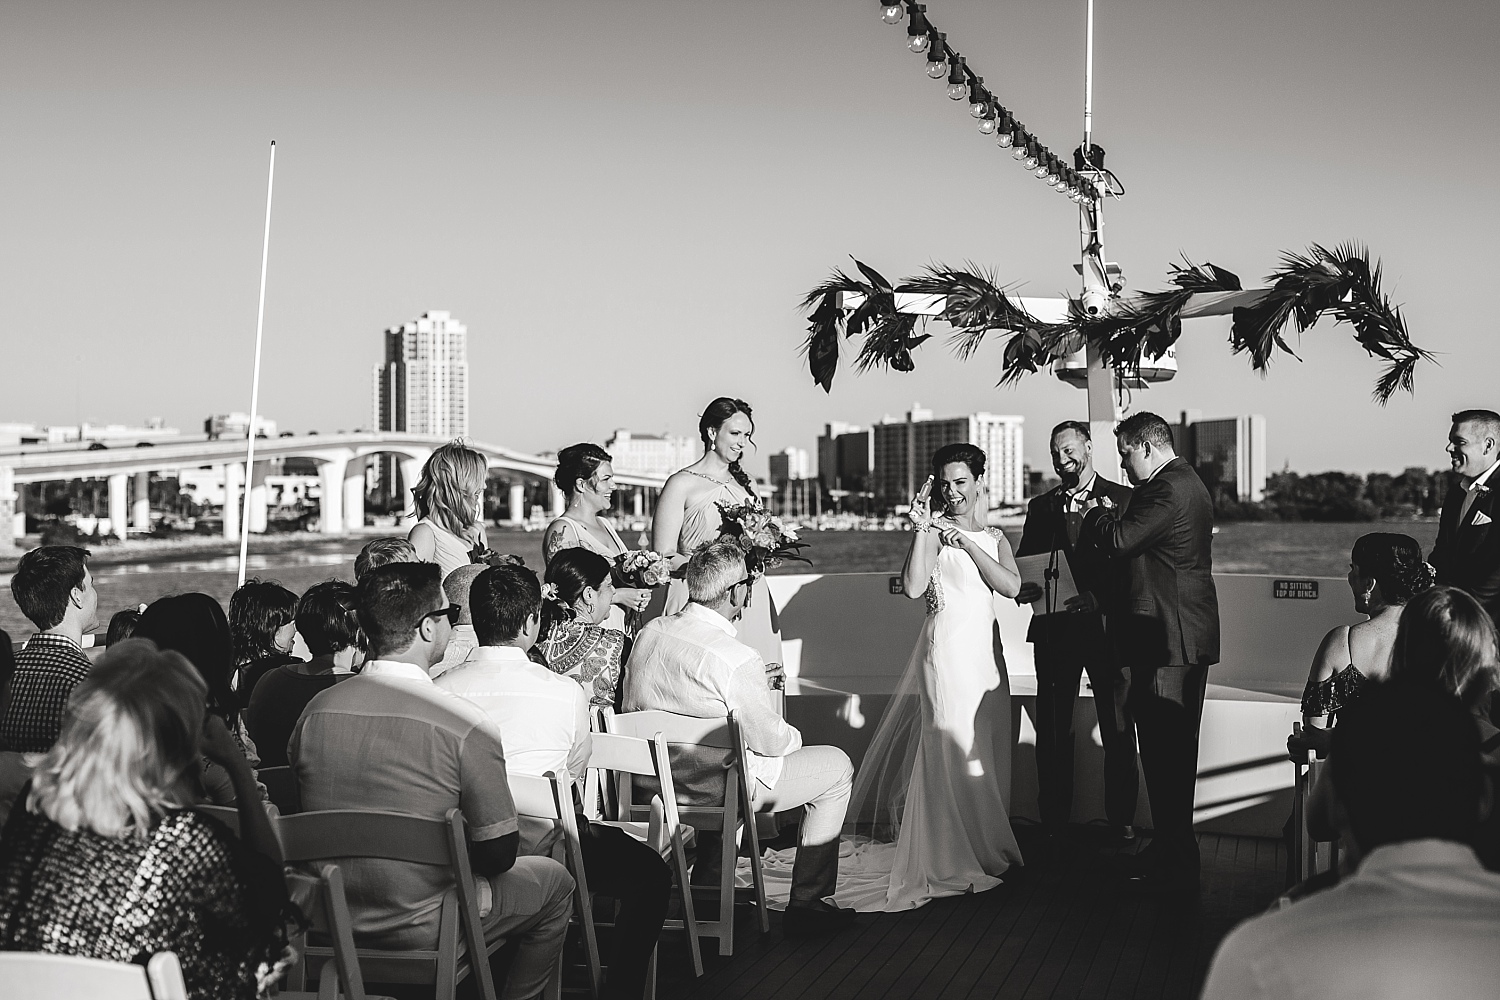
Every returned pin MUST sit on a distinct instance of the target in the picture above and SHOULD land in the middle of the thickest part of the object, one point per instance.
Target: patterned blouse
(189, 888)
(590, 654)
(1331, 696)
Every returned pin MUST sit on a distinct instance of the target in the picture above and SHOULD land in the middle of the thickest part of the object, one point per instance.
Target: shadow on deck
(1068, 929)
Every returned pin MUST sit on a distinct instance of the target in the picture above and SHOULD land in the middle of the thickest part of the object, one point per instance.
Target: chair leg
(689, 916)
(757, 875)
(650, 993)
(729, 859)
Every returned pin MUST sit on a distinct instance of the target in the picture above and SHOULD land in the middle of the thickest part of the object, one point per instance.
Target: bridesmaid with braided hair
(687, 515)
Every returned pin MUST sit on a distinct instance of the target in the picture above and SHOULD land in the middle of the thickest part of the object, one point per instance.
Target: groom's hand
(1083, 603)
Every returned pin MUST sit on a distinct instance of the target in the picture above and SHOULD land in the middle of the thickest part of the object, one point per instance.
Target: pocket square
(1480, 518)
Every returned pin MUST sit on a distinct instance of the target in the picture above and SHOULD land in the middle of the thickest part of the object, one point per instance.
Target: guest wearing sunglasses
(389, 739)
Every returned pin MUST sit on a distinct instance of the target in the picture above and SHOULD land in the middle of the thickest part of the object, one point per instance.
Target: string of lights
(992, 117)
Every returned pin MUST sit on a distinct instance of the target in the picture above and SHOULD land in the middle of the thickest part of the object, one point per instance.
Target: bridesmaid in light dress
(587, 479)
(687, 515)
(450, 508)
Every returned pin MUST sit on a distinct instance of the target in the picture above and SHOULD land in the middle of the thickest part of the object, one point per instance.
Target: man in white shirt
(543, 720)
(692, 663)
(1420, 917)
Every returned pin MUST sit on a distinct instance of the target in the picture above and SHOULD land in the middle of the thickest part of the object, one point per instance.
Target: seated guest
(329, 624)
(1385, 572)
(576, 640)
(122, 625)
(52, 587)
(543, 720)
(195, 626)
(103, 856)
(380, 552)
(1420, 917)
(262, 628)
(390, 739)
(691, 663)
(456, 586)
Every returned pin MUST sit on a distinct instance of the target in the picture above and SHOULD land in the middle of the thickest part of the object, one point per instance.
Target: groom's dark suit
(1167, 632)
(1067, 644)
(1467, 555)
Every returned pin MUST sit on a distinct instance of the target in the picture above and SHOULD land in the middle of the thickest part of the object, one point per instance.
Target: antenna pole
(260, 326)
(1088, 81)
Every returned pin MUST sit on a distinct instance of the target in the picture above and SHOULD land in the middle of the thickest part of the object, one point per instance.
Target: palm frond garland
(1342, 282)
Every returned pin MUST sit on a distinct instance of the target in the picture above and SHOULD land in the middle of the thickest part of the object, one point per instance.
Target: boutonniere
(1481, 489)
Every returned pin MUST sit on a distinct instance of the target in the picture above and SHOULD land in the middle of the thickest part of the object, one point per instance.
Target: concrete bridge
(341, 459)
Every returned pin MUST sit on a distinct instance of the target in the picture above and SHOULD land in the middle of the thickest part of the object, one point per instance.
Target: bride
(937, 773)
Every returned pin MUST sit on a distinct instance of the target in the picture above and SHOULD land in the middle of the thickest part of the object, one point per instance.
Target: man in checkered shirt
(53, 587)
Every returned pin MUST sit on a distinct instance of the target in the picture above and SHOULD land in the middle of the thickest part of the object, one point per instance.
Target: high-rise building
(237, 425)
(422, 386)
(845, 457)
(902, 453)
(1229, 452)
(650, 454)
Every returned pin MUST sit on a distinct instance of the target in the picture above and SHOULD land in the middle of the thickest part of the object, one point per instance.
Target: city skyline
(623, 226)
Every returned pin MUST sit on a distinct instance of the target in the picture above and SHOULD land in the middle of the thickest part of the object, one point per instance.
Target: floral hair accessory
(549, 591)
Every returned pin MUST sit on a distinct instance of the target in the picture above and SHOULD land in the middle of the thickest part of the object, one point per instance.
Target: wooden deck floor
(1065, 929)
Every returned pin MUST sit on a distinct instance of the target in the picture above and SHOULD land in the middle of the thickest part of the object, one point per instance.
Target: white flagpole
(260, 325)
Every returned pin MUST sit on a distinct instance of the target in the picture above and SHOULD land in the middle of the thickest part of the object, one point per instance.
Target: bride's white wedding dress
(933, 787)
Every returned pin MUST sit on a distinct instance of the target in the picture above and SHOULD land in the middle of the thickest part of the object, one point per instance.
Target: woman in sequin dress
(102, 856)
(936, 778)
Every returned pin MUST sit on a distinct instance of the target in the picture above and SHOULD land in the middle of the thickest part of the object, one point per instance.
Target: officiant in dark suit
(1070, 639)
(1167, 630)
(1467, 552)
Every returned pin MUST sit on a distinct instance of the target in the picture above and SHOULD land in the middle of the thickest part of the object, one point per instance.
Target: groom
(1467, 552)
(1167, 631)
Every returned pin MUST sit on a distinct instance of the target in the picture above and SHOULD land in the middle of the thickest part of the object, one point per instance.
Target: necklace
(704, 475)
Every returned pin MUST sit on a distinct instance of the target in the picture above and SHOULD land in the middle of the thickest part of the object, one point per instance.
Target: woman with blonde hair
(108, 812)
(450, 508)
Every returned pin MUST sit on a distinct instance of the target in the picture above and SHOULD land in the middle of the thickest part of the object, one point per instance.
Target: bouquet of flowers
(642, 568)
(766, 540)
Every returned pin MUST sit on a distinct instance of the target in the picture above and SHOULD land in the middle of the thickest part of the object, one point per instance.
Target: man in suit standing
(1071, 639)
(1467, 552)
(1167, 632)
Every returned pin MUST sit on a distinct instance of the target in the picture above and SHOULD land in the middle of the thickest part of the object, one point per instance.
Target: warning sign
(1297, 590)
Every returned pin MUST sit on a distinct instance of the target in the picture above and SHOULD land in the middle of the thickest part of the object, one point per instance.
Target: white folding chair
(550, 798)
(664, 832)
(35, 974)
(722, 738)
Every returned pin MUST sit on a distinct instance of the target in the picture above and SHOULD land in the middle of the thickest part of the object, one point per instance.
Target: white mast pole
(260, 325)
(1088, 81)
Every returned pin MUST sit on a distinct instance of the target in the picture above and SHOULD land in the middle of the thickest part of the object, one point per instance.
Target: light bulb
(937, 68)
(987, 126)
(1030, 162)
(918, 43)
(1019, 153)
(958, 91)
(978, 108)
(1041, 171)
(1006, 140)
(1051, 178)
(894, 13)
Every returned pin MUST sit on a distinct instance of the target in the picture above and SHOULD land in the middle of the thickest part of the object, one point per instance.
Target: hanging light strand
(993, 119)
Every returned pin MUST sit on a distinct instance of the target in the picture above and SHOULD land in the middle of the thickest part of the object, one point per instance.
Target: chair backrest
(281, 785)
(228, 815)
(705, 753)
(329, 915)
(352, 833)
(680, 729)
(30, 974)
(534, 796)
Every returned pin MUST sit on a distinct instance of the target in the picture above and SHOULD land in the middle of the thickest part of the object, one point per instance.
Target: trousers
(1063, 651)
(532, 903)
(620, 866)
(1167, 702)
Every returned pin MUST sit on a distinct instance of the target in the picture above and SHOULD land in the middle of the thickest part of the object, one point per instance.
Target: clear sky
(626, 200)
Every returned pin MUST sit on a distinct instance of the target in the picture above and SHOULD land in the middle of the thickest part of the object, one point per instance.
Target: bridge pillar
(411, 474)
(559, 501)
(118, 503)
(234, 478)
(638, 501)
(12, 521)
(331, 505)
(140, 501)
(258, 497)
(354, 495)
(516, 505)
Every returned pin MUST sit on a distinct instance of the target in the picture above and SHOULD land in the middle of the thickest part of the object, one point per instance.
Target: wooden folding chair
(1309, 857)
(461, 950)
(35, 974)
(328, 909)
(550, 798)
(664, 833)
(723, 737)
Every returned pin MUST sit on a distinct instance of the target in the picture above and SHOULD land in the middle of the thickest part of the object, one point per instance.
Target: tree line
(1334, 496)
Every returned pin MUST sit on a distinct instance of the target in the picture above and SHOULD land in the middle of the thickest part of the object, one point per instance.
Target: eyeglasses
(451, 612)
(749, 584)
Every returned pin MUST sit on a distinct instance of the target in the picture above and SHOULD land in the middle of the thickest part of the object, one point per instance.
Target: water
(1301, 549)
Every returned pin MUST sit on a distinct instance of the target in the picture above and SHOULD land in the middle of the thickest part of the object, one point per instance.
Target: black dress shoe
(802, 920)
